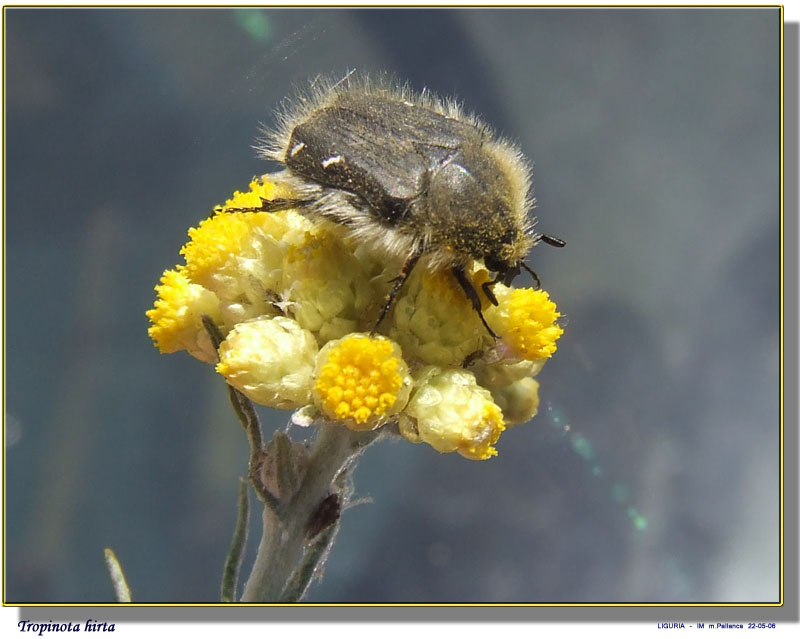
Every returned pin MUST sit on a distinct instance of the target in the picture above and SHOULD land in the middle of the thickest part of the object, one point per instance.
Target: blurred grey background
(651, 472)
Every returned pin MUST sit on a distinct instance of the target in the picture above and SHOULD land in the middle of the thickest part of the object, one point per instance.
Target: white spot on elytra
(332, 160)
(297, 148)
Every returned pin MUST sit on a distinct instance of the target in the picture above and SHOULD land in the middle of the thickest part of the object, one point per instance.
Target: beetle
(411, 175)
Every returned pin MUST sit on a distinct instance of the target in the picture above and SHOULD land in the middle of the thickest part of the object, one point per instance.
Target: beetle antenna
(552, 241)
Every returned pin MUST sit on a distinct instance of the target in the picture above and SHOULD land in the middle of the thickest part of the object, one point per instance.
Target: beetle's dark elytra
(379, 148)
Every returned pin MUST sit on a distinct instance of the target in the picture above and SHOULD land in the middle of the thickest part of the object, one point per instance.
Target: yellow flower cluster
(297, 301)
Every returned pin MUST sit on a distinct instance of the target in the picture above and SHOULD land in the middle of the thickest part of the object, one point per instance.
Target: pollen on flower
(176, 317)
(527, 321)
(360, 380)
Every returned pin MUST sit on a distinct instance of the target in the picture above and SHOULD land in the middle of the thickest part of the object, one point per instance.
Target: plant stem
(284, 538)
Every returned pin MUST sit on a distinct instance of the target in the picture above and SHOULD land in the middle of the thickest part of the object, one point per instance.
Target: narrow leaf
(121, 588)
(230, 576)
(310, 566)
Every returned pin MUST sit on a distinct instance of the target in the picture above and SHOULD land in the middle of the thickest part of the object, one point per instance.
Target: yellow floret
(216, 240)
(176, 317)
(222, 236)
(361, 380)
(526, 320)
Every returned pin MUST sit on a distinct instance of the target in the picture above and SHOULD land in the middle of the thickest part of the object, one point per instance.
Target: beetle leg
(487, 287)
(408, 266)
(533, 275)
(472, 295)
(267, 206)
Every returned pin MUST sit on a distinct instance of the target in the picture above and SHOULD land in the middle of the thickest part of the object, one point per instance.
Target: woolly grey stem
(284, 539)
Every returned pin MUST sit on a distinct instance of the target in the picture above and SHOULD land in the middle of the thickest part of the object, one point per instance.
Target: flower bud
(271, 360)
(449, 411)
